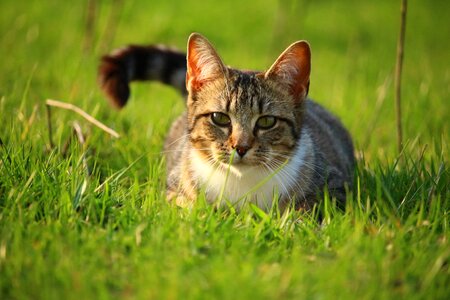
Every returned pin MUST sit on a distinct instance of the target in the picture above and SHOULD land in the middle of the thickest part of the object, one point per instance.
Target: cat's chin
(238, 168)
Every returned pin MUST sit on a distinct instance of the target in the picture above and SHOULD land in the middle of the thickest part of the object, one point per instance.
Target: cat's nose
(242, 150)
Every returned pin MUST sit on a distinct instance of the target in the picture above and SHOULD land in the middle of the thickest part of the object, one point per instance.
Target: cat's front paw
(179, 200)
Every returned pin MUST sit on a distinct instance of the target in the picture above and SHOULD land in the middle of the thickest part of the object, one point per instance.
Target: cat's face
(244, 120)
(241, 118)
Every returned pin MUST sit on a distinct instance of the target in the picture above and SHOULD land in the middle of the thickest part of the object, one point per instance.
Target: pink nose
(241, 150)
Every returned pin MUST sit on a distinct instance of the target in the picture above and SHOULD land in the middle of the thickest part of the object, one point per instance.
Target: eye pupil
(266, 122)
(220, 119)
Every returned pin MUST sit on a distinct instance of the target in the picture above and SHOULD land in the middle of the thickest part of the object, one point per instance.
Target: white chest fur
(236, 185)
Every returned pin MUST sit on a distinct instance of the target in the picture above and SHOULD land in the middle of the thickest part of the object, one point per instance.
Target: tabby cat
(245, 136)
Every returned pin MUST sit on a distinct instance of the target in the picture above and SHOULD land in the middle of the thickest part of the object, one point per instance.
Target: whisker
(299, 182)
(178, 139)
(181, 150)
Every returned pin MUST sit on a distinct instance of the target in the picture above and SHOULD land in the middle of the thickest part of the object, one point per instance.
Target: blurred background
(51, 49)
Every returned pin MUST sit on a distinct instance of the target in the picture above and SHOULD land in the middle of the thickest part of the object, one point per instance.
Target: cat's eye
(266, 122)
(220, 119)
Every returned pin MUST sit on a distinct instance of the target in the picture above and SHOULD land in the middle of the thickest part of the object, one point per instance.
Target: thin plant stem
(49, 126)
(398, 75)
(91, 12)
(84, 114)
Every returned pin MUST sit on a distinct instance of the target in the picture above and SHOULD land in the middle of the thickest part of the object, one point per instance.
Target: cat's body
(245, 136)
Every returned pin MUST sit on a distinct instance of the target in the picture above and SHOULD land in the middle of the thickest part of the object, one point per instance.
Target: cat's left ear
(292, 69)
(203, 63)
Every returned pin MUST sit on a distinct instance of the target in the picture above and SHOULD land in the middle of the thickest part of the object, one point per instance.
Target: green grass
(111, 234)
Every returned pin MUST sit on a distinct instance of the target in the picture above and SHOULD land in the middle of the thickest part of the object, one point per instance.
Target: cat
(245, 136)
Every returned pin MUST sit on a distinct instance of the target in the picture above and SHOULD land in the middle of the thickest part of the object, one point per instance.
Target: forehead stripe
(227, 107)
(260, 105)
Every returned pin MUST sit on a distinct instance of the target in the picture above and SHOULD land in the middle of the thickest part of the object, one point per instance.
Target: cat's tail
(139, 63)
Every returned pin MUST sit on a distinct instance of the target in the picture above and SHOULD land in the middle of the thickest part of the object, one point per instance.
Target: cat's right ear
(292, 69)
(203, 63)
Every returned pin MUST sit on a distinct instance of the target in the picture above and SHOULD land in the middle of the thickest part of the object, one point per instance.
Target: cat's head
(246, 118)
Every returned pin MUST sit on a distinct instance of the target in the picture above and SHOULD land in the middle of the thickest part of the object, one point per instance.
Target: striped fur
(303, 151)
(138, 63)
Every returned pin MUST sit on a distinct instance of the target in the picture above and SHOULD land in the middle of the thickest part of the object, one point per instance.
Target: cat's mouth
(236, 160)
(239, 164)
(233, 159)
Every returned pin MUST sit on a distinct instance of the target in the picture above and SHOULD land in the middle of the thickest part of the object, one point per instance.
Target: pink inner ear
(193, 72)
(292, 68)
(203, 62)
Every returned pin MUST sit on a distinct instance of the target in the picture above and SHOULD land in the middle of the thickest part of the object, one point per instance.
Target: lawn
(90, 221)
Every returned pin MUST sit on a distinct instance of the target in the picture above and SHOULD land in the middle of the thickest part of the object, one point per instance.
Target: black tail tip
(113, 81)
